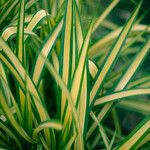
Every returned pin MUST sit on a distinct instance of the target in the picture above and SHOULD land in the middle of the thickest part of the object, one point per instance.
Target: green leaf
(45, 51)
(105, 14)
(20, 32)
(111, 58)
(120, 95)
(47, 124)
(136, 135)
(66, 49)
(98, 46)
(127, 76)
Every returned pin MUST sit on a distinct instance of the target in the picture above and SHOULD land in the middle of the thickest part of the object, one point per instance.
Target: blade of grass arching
(36, 19)
(7, 11)
(111, 58)
(10, 31)
(45, 51)
(120, 95)
(99, 45)
(47, 124)
(132, 69)
(101, 130)
(66, 48)
(10, 116)
(136, 136)
(11, 134)
(69, 99)
(105, 14)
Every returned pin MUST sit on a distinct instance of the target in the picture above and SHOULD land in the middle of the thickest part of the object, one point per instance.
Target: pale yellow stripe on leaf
(120, 95)
(129, 143)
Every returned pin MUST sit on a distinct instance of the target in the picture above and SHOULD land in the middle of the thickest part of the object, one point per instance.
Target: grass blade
(105, 14)
(45, 51)
(66, 62)
(137, 135)
(101, 75)
(120, 95)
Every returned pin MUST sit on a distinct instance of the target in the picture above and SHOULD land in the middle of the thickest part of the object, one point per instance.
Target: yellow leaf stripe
(122, 94)
(46, 49)
(137, 135)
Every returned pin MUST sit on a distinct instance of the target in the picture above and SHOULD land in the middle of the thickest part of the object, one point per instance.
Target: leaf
(46, 124)
(105, 14)
(20, 33)
(121, 94)
(107, 40)
(66, 50)
(127, 75)
(111, 58)
(137, 135)
(45, 51)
